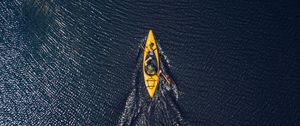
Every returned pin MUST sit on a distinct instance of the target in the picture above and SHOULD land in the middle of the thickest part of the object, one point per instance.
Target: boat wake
(162, 109)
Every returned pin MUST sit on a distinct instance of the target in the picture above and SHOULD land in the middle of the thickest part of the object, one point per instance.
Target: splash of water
(162, 109)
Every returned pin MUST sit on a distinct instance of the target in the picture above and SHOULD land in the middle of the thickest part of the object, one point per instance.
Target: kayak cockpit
(151, 65)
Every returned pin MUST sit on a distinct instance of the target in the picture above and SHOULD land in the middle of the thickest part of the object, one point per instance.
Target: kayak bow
(151, 57)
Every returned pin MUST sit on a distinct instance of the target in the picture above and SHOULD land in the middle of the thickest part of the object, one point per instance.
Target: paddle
(164, 76)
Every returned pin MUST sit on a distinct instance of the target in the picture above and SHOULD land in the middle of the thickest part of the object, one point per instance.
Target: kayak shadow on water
(162, 109)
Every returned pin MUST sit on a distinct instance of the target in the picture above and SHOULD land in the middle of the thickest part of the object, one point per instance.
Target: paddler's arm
(147, 60)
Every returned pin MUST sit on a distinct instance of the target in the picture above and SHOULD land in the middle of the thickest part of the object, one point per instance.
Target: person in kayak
(150, 61)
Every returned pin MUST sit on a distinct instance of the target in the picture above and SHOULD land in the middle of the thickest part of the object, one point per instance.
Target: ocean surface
(78, 62)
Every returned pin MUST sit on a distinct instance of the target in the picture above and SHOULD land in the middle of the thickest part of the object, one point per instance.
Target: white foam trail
(140, 109)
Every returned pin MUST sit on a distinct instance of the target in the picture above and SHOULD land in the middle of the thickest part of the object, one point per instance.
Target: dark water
(78, 62)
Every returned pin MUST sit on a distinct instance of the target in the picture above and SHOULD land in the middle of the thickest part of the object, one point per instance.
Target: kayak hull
(151, 81)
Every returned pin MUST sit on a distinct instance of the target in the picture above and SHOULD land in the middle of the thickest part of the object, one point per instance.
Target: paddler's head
(151, 69)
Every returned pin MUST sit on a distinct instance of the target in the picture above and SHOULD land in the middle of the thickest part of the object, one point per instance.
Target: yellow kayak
(151, 64)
